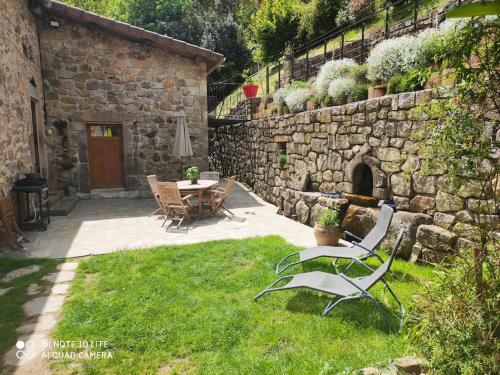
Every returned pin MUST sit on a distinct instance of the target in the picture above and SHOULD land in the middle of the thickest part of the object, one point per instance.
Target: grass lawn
(11, 311)
(190, 309)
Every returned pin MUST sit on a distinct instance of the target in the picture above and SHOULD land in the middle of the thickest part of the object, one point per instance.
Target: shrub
(358, 73)
(329, 218)
(281, 159)
(296, 99)
(280, 94)
(332, 70)
(392, 57)
(434, 42)
(454, 329)
(343, 15)
(412, 81)
(359, 92)
(362, 9)
(341, 87)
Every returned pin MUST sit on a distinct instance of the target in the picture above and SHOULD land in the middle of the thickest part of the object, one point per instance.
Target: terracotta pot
(349, 99)
(326, 236)
(310, 105)
(376, 91)
(250, 91)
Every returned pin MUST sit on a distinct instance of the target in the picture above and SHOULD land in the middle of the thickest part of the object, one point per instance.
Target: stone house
(92, 102)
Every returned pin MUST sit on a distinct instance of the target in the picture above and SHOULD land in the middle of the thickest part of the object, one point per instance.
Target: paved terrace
(101, 226)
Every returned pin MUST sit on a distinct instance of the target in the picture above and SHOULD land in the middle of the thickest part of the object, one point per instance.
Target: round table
(197, 190)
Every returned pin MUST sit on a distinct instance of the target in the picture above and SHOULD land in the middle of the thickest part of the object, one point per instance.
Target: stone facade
(92, 76)
(67, 68)
(20, 80)
(327, 148)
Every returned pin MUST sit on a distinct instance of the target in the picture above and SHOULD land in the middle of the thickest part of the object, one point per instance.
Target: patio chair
(361, 249)
(212, 176)
(218, 196)
(174, 207)
(343, 286)
(153, 184)
(8, 224)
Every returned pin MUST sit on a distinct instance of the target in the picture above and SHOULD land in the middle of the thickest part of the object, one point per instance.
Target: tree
(457, 323)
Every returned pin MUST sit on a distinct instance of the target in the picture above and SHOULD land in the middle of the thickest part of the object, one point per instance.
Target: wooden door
(105, 146)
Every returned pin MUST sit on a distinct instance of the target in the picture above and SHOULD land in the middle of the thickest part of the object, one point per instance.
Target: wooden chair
(153, 184)
(174, 207)
(9, 225)
(212, 176)
(218, 197)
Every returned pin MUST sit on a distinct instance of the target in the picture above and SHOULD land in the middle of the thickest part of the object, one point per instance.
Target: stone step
(64, 206)
(114, 193)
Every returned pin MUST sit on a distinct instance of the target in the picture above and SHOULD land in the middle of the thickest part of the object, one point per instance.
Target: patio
(106, 225)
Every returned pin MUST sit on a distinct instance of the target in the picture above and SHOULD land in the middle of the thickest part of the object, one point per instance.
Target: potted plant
(192, 174)
(326, 229)
(249, 89)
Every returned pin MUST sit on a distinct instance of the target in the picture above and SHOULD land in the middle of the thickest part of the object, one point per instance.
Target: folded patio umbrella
(182, 145)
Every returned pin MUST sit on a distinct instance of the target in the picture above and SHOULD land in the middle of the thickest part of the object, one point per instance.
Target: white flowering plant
(340, 88)
(280, 94)
(332, 70)
(392, 57)
(296, 100)
(434, 42)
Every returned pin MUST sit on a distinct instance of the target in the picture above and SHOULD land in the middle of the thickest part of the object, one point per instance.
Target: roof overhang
(133, 33)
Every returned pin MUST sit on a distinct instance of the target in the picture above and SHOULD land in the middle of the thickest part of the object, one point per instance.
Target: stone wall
(94, 76)
(325, 148)
(19, 64)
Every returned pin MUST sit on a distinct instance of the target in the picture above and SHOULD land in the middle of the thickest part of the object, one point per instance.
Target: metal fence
(395, 18)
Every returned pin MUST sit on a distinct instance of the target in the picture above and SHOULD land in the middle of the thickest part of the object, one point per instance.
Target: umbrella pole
(180, 159)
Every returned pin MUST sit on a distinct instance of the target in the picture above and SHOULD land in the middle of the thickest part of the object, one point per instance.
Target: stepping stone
(33, 289)
(44, 323)
(69, 266)
(20, 272)
(32, 349)
(43, 305)
(5, 290)
(60, 277)
(59, 289)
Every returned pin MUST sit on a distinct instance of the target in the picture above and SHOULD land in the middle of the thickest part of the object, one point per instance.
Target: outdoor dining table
(197, 190)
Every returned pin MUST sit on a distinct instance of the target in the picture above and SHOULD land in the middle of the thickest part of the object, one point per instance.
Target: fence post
(267, 80)
(279, 73)
(307, 65)
(415, 14)
(291, 67)
(342, 46)
(386, 22)
(363, 43)
(324, 50)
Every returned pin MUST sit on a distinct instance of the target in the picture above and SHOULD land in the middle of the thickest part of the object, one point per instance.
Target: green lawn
(11, 311)
(190, 309)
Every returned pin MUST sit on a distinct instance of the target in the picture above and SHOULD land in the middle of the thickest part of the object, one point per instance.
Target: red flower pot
(250, 91)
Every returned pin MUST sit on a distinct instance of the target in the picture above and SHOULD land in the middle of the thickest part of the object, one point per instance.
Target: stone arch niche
(362, 180)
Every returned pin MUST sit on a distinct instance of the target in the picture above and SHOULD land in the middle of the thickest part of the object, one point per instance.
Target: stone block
(401, 184)
(445, 221)
(326, 115)
(448, 203)
(436, 238)
(422, 203)
(389, 154)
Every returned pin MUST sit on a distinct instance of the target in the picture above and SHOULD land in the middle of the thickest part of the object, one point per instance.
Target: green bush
(359, 92)
(453, 328)
(329, 218)
(281, 159)
(358, 73)
(412, 81)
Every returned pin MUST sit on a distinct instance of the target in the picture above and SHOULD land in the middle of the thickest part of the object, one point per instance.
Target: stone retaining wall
(325, 148)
